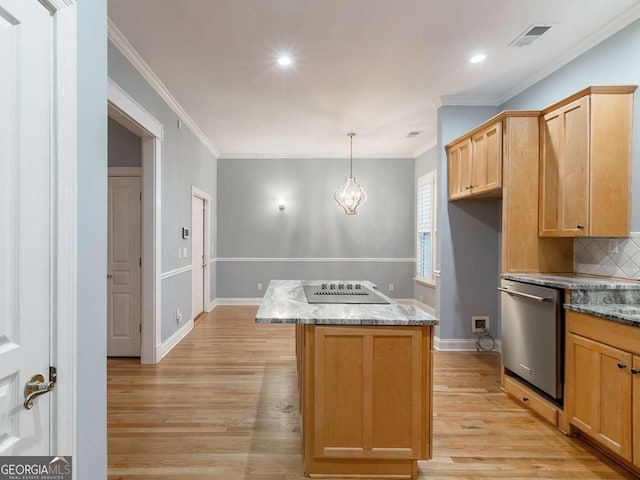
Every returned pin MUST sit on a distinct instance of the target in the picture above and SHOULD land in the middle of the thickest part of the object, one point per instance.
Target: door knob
(36, 387)
(621, 365)
(109, 276)
(635, 371)
(580, 226)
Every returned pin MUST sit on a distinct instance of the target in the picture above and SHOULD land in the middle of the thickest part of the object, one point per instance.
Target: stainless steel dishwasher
(532, 335)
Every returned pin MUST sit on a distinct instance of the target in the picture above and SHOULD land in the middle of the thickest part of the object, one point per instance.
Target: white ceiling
(375, 67)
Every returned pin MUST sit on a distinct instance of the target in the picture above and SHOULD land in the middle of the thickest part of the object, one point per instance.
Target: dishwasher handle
(526, 295)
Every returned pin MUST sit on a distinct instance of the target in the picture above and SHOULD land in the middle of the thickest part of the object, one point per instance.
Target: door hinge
(140, 328)
(140, 196)
(53, 374)
(140, 261)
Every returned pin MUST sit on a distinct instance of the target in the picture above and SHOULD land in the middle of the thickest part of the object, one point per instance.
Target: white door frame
(206, 198)
(130, 114)
(64, 213)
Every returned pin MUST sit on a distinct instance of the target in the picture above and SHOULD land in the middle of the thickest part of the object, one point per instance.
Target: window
(426, 227)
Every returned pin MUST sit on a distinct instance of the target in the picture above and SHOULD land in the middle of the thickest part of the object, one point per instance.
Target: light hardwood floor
(223, 405)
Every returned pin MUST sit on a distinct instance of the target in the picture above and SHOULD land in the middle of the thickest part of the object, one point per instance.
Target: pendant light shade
(350, 196)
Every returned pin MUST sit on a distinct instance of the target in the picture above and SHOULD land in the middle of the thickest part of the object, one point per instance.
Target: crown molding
(426, 147)
(300, 156)
(470, 100)
(611, 28)
(122, 44)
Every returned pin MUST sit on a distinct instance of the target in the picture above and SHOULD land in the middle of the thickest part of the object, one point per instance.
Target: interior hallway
(223, 405)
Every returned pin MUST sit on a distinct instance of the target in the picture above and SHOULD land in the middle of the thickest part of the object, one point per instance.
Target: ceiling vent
(530, 35)
(414, 133)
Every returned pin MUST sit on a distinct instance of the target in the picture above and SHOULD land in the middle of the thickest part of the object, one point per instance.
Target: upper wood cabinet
(475, 164)
(585, 160)
(460, 169)
(486, 160)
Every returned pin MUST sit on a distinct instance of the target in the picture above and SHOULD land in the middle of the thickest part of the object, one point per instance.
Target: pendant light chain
(351, 155)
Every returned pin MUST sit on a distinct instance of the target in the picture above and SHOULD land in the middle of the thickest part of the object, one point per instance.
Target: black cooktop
(346, 293)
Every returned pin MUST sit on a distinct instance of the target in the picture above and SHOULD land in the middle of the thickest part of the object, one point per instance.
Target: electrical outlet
(178, 316)
(613, 245)
(179, 253)
(184, 252)
(259, 286)
(392, 287)
(421, 299)
(479, 324)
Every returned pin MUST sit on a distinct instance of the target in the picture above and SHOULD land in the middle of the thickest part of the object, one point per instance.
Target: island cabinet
(585, 161)
(366, 394)
(602, 384)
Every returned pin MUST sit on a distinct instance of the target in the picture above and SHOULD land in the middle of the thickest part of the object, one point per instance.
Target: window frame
(428, 178)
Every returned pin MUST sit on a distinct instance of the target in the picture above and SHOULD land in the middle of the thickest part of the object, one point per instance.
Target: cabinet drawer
(532, 400)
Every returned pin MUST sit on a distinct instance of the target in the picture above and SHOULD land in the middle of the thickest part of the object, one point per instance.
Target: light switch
(179, 253)
(184, 252)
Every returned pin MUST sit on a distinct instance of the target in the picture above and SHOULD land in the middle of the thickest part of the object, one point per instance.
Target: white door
(25, 235)
(197, 256)
(124, 268)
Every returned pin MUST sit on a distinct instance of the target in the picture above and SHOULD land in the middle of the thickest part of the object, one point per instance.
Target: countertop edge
(594, 283)
(612, 316)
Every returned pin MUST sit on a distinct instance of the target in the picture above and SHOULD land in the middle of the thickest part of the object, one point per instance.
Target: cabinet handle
(635, 371)
(580, 226)
(622, 365)
(525, 399)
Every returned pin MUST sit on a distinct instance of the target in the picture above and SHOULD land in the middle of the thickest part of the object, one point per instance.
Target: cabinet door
(599, 403)
(460, 170)
(487, 160)
(369, 396)
(564, 171)
(636, 410)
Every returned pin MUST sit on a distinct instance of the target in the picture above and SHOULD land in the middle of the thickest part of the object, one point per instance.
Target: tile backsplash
(591, 256)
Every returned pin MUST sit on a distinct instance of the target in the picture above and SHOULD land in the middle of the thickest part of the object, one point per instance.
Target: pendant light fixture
(350, 196)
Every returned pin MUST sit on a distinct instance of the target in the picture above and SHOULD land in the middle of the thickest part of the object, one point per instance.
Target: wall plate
(185, 232)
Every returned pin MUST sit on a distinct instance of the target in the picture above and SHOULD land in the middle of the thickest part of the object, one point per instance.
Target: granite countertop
(285, 302)
(573, 282)
(621, 313)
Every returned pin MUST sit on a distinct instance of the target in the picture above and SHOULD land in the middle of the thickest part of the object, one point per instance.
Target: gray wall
(469, 240)
(313, 225)
(125, 147)
(425, 163)
(616, 61)
(185, 162)
(91, 329)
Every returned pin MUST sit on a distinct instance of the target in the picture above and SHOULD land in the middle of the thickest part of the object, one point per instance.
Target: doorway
(133, 117)
(124, 262)
(200, 226)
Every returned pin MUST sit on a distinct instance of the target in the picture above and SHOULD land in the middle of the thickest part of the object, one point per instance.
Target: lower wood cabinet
(366, 399)
(602, 383)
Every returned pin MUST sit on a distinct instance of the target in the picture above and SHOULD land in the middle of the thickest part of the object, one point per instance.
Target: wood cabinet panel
(486, 160)
(522, 249)
(564, 170)
(459, 169)
(635, 408)
(370, 399)
(600, 401)
(585, 163)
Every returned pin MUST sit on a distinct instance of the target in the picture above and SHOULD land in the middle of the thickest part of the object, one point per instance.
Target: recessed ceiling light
(284, 60)
(478, 58)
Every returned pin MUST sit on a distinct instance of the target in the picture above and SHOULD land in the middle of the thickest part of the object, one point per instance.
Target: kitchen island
(364, 377)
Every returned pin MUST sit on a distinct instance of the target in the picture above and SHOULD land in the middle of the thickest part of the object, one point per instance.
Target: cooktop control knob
(332, 286)
(324, 286)
(341, 286)
(358, 286)
(349, 286)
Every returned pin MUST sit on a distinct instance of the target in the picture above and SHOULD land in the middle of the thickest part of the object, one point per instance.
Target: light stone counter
(285, 302)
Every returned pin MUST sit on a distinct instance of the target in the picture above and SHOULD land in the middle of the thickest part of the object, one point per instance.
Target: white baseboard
(212, 305)
(174, 339)
(418, 304)
(459, 345)
(238, 301)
